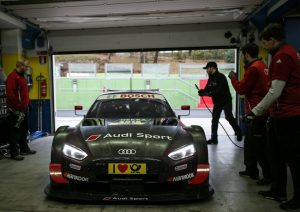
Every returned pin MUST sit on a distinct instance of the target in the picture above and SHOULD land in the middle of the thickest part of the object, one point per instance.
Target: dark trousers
(216, 113)
(255, 147)
(284, 148)
(17, 137)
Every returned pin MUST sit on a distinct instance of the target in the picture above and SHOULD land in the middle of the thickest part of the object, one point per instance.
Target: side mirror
(77, 107)
(185, 107)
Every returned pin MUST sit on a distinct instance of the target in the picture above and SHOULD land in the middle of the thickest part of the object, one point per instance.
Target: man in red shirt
(17, 103)
(254, 86)
(284, 99)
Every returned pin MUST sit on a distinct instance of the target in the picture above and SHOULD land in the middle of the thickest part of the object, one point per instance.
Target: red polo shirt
(254, 85)
(285, 65)
(17, 91)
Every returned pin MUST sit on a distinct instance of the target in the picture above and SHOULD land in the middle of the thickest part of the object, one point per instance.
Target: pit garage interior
(40, 29)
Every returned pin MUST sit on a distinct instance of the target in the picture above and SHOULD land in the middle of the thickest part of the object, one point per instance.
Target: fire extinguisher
(43, 88)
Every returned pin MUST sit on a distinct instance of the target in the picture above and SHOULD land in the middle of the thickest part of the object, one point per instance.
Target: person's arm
(245, 85)
(205, 91)
(11, 92)
(272, 95)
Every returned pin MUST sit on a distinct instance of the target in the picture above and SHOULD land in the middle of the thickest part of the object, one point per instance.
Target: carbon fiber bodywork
(129, 159)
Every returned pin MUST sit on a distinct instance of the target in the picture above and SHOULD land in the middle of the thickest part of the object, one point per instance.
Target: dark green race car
(130, 146)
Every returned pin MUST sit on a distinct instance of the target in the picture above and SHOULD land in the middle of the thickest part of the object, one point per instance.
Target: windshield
(130, 108)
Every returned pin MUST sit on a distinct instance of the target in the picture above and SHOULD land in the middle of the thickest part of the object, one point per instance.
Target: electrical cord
(3, 152)
(219, 122)
(222, 126)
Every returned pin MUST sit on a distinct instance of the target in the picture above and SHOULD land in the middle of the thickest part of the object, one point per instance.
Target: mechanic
(18, 103)
(217, 88)
(254, 86)
(284, 99)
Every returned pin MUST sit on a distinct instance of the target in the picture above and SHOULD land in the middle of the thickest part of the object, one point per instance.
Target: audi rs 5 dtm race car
(130, 146)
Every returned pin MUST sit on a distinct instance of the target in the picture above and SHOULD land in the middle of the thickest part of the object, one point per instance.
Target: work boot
(247, 173)
(212, 141)
(291, 205)
(28, 152)
(271, 194)
(17, 157)
(263, 181)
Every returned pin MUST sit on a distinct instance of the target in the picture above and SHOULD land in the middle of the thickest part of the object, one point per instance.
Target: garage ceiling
(67, 14)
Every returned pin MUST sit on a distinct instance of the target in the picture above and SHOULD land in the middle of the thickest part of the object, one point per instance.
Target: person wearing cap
(18, 102)
(283, 100)
(217, 87)
(254, 85)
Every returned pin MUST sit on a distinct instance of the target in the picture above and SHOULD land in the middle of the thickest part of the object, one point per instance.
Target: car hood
(130, 137)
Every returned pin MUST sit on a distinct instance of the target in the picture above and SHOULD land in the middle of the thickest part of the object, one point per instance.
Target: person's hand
(250, 117)
(201, 92)
(231, 74)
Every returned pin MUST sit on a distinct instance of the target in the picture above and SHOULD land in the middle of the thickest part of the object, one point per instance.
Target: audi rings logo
(126, 151)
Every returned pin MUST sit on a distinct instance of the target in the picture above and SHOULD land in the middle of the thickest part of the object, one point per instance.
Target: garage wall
(292, 28)
(175, 36)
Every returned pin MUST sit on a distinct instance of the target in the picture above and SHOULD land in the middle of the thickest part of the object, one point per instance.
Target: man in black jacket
(217, 88)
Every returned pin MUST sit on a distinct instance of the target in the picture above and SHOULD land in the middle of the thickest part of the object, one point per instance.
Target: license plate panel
(127, 168)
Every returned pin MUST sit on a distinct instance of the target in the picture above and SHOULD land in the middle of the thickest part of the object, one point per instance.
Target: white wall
(171, 36)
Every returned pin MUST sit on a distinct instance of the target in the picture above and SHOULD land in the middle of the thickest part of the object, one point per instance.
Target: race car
(130, 146)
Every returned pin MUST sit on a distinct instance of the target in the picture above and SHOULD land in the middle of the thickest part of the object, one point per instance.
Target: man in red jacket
(284, 99)
(254, 86)
(17, 103)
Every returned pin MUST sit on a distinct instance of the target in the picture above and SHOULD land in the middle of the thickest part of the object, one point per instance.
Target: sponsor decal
(126, 168)
(132, 95)
(182, 177)
(137, 95)
(93, 137)
(75, 177)
(180, 167)
(138, 198)
(125, 199)
(278, 61)
(74, 166)
(129, 121)
(138, 135)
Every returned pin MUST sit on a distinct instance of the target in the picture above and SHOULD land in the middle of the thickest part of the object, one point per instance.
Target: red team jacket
(17, 91)
(285, 65)
(254, 85)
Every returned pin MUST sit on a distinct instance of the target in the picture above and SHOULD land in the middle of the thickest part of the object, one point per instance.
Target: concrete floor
(23, 182)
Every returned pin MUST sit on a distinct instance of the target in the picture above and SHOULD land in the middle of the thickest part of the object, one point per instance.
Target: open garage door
(80, 78)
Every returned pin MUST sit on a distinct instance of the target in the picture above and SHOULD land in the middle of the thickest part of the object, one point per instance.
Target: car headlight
(182, 153)
(73, 152)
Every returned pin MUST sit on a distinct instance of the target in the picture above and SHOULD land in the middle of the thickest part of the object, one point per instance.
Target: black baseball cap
(211, 64)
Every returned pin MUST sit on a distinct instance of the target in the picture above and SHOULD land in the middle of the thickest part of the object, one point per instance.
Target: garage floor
(23, 182)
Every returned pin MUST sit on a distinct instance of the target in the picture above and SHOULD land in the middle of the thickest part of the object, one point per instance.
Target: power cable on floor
(219, 121)
(222, 126)
(4, 152)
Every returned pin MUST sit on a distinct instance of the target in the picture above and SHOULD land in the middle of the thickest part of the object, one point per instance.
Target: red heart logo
(122, 167)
